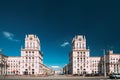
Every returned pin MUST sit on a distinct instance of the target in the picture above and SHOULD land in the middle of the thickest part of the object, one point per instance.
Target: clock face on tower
(31, 38)
(80, 39)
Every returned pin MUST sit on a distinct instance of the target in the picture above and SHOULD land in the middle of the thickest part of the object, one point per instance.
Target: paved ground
(63, 77)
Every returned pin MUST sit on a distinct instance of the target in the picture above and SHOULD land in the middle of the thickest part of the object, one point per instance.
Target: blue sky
(56, 22)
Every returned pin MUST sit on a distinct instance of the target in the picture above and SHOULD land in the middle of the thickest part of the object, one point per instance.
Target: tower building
(29, 63)
(81, 63)
(31, 56)
(79, 56)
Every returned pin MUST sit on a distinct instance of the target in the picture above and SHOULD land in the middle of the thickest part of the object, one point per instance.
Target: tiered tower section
(31, 56)
(79, 57)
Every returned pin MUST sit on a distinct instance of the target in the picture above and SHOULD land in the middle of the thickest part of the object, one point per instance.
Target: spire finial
(21, 47)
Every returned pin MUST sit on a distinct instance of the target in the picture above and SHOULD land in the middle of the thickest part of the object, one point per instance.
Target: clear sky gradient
(56, 22)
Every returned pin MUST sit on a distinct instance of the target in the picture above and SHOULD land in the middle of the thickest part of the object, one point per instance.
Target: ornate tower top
(32, 42)
(79, 42)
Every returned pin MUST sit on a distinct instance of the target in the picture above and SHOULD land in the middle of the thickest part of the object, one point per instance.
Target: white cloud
(55, 67)
(65, 44)
(9, 36)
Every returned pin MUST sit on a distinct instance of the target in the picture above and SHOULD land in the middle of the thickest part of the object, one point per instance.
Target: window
(32, 57)
(80, 39)
(81, 67)
(77, 59)
(77, 65)
(78, 71)
(84, 65)
(84, 52)
(26, 65)
(81, 59)
(78, 53)
(84, 58)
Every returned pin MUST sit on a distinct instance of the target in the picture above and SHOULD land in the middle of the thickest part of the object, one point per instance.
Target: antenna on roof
(21, 47)
(0, 49)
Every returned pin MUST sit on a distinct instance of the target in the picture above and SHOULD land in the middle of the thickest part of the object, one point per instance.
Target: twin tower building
(31, 60)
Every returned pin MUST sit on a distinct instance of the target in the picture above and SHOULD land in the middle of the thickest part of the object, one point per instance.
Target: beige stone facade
(31, 56)
(81, 63)
(95, 65)
(112, 62)
(79, 56)
(30, 62)
(14, 65)
(3, 64)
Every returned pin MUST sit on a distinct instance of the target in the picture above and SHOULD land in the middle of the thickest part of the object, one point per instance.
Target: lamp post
(104, 64)
(66, 69)
(118, 66)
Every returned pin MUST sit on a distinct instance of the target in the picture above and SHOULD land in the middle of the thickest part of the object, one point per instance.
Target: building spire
(26, 36)
(0, 49)
(21, 47)
(84, 37)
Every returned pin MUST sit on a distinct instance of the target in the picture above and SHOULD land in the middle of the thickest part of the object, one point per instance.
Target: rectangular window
(26, 65)
(77, 65)
(77, 59)
(84, 64)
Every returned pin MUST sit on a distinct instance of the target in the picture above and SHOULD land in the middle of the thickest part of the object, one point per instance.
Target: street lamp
(104, 64)
(118, 65)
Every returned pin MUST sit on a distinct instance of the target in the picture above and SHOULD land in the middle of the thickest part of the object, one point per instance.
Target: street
(56, 77)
